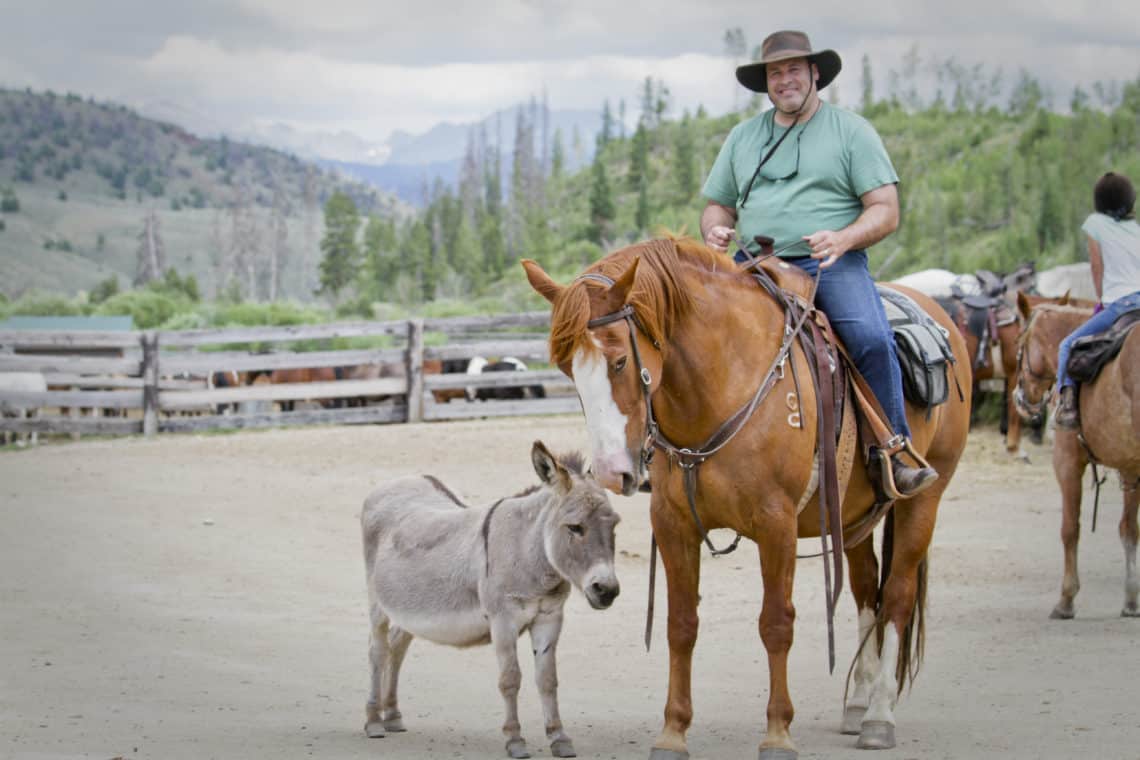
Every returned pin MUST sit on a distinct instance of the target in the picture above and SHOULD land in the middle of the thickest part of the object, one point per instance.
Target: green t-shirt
(835, 157)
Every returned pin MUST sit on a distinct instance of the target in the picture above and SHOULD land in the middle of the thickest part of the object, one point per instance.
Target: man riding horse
(825, 190)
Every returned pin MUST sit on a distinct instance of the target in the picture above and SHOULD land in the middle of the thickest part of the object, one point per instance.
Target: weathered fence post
(150, 383)
(414, 361)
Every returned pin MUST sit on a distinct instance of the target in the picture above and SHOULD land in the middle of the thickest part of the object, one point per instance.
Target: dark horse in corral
(1109, 434)
(667, 342)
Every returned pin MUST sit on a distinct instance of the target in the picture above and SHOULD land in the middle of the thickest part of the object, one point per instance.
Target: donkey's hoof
(374, 729)
(1132, 611)
(777, 753)
(516, 748)
(562, 748)
(657, 753)
(1062, 613)
(394, 725)
(876, 734)
(853, 721)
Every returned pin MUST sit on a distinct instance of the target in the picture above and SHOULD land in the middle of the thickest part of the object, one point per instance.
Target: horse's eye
(577, 530)
(619, 365)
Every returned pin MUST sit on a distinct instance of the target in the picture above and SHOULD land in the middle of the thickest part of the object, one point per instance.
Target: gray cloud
(373, 67)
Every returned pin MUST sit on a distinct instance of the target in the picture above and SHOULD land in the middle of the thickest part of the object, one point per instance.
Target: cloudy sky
(374, 66)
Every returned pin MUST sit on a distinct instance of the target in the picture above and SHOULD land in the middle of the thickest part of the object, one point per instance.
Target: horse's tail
(912, 642)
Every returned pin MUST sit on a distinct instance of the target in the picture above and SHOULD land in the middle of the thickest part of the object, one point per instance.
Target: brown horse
(696, 345)
(1110, 433)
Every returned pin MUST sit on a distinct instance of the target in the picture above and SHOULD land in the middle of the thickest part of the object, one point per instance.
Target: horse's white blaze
(884, 689)
(604, 421)
(868, 663)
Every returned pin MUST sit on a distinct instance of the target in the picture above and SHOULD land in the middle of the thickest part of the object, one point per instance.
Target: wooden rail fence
(158, 381)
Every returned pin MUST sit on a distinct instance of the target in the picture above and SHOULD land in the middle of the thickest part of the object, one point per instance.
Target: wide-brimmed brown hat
(780, 46)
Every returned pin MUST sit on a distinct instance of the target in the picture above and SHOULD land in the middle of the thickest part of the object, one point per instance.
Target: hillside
(85, 176)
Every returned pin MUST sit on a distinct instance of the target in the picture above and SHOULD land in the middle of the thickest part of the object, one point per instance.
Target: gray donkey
(465, 576)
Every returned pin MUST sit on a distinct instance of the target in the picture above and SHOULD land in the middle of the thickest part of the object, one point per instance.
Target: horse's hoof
(516, 748)
(1062, 613)
(853, 721)
(562, 748)
(777, 753)
(394, 725)
(1130, 612)
(374, 729)
(876, 734)
(667, 754)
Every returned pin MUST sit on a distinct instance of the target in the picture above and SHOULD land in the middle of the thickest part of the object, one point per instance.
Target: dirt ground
(203, 597)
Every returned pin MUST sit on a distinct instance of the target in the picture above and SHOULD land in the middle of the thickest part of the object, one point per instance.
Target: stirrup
(896, 445)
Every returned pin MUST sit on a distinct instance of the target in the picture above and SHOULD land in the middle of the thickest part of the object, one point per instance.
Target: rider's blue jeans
(1099, 322)
(848, 297)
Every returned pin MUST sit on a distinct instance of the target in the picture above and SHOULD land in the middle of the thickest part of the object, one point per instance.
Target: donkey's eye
(577, 530)
(619, 365)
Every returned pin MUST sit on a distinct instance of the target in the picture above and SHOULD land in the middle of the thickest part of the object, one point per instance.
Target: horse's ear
(549, 470)
(540, 280)
(1065, 298)
(1023, 305)
(624, 284)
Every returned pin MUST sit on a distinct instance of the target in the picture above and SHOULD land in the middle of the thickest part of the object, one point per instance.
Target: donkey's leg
(544, 641)
(777, 623)
(681, 558)
(903, 612)
(864, 587)
(398, 642)
(505, 636)
(1128, 537)
(378, 657)
(1069, 462)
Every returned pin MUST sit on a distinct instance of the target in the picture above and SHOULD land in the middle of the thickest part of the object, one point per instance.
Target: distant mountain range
(406, 164)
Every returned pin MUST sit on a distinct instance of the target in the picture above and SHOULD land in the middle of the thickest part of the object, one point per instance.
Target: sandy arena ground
(203, 597)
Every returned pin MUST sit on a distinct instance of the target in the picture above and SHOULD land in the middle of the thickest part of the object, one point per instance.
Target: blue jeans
(848, 297)
(1098, 323)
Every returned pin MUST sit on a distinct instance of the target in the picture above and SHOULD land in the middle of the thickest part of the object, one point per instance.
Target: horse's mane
(659, 296)
(1048, 308)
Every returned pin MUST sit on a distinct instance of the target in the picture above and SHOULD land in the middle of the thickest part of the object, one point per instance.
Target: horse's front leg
(1013, 428)
(1129, 533)
(681, 558)
(504, 637)
(544, 641)
(777, 622)
(1069, 462)
(864, 579)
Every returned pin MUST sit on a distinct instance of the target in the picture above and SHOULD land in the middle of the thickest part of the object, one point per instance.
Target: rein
(689, 459)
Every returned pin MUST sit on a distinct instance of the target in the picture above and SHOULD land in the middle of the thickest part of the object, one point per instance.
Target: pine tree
(341, 254)
(602, 210)
(641, 217)
(639, 157)
(684, 160)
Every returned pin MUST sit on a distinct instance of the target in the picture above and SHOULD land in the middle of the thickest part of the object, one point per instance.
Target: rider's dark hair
(1114, 196)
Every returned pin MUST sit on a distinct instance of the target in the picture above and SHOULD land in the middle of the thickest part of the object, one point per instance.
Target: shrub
(148, 308)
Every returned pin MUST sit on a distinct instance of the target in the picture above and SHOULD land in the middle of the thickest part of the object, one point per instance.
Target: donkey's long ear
(624, 284)
(548, 468)
(1023, 305)
(540, 280)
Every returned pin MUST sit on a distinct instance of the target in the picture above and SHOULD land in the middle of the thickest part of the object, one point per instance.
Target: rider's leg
(848, 297)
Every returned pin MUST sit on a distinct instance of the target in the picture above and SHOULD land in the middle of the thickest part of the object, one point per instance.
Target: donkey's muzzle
(602, 595)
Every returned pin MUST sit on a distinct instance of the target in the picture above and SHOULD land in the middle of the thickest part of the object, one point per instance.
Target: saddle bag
(923, 349)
